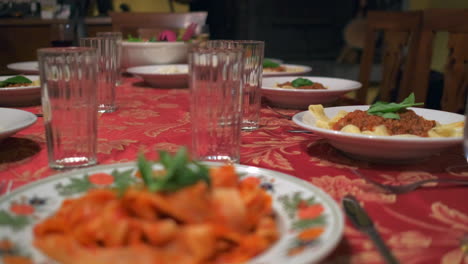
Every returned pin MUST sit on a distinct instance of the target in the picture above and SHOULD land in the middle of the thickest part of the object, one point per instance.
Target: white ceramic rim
(29, 119)
(353, 85)
(28, 66)
(297, 118)
(303, 69)
(142, 70)
(149, 44)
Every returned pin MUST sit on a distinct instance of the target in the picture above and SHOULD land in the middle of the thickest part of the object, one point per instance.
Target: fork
(400, 189)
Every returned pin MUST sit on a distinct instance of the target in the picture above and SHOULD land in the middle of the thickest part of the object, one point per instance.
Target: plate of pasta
(20, 90)
(172, 211)
(274, 69)
(299, 92)
(417, 134)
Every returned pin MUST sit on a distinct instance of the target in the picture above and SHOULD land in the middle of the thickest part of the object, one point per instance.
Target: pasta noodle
(229, 221)
(436, 130)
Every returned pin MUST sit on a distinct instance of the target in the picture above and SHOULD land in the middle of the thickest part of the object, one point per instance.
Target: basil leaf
(301, 82)
(146, 170)
(14, 80)
(179, 172)
(389, 110)
(133, 39)
(269, 64)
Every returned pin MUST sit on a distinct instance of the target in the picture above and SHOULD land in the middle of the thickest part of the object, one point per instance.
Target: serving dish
(383, 149)
(20, 95)
(14, 120)
(48, 198)
(302, 98)
(25, 67)
(153, 53)
(291, 70)
(164, 76)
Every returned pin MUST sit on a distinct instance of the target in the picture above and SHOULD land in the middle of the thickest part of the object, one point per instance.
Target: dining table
(427, 225)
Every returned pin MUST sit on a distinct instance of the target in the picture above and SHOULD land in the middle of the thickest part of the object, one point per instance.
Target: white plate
(291, 69)
(26, 67)
(14, 120)
(385, 149)
(21, 95)
(47, 199)
(302, 98)
(164, 76)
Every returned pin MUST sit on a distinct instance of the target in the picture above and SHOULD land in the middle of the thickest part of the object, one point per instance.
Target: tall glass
(68, 83)
(117, 38)
(253, 52)
(107, 52)
(215, 80)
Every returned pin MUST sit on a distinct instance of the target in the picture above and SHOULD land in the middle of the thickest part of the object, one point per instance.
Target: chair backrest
(136, 23)
(455, 22)
(401, 31)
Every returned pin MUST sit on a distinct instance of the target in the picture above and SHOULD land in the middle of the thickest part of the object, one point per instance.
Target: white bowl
(14, 120)
(153, 53)
(385, 149)
(20, 95)
(302, 98)
(163, 76)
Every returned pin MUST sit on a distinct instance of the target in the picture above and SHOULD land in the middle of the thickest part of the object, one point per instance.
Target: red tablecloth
(424, 226)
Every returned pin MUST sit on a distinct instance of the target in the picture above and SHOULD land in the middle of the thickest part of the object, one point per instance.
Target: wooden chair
(455, 22)
(401, 31)
(144, 23)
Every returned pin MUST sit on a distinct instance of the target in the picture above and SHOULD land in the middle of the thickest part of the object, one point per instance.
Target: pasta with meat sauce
(408, 125)
(226, 221)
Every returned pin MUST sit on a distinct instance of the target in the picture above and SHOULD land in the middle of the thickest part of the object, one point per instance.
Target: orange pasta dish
(186, 213)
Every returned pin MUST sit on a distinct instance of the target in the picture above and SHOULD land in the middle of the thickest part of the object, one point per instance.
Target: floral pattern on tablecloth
(424, 226)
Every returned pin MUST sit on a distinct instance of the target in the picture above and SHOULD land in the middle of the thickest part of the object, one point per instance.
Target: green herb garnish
(152, 39)
(133, 39)
(14, 80)
(301, 82)
(269, 64)
(179, 172)
(389, 110)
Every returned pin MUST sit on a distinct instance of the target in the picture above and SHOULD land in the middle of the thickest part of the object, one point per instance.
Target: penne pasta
(226, 221)
(416, 126)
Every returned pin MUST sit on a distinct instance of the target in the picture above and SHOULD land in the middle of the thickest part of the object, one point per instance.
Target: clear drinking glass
(107, 52)
(215, 80)
(117, 37)
(68, 83)
(253, 52)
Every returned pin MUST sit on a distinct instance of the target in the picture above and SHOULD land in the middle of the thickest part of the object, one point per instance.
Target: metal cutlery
(361, 221)
(400, 189)
(300, 131)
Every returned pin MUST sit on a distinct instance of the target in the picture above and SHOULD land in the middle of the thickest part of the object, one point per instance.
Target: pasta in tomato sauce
(409, 125)
(226, 221)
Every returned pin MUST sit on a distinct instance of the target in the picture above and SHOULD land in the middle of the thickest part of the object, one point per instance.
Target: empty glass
(215, 80)
(107, 55)
(68, 82)
(117, 37)
(253, 52)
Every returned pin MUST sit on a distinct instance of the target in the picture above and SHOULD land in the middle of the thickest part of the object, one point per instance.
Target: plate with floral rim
(23, 208)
